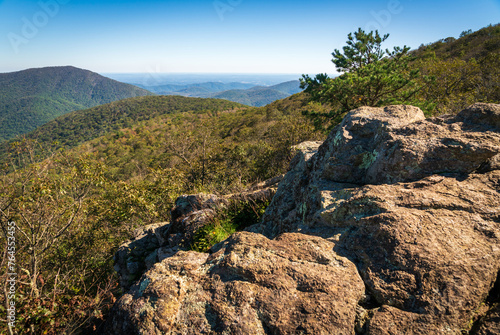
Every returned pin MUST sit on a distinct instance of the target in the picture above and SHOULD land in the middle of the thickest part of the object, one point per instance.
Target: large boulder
(391, 226)
(248, 285)
(384, 146)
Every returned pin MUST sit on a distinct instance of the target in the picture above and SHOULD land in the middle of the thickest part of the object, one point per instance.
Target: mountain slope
(479, 45)
(33, 97)
(464, 70)
(243, 93)
(289, 87)
(261, 95)
(74, 128)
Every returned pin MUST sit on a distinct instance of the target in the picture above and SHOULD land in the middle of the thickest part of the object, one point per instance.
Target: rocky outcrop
(154, 243)
(382, 146)
(391, 226)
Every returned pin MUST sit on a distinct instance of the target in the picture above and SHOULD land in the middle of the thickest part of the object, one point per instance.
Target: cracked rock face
(391, 226)
(248, 285)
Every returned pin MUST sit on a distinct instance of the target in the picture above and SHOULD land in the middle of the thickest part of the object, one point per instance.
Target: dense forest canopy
(77, 127)
(33, 97)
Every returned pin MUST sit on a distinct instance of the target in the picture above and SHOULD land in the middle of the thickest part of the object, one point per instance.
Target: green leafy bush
(236, 217)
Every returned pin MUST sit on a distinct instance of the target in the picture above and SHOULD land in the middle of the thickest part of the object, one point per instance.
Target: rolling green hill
(221, 145)
(73, 128)
(243, 93)
(288, 87)
(33, 97)
(198, 90)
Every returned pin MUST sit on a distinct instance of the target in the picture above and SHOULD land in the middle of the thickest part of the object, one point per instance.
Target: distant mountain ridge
(244, 93)
(33, 97)
(198, 89)
(259, 96)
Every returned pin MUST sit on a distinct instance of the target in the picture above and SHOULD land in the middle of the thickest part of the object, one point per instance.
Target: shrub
(236, 217)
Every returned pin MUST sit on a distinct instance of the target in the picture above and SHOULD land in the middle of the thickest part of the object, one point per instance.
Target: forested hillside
(198, 90)
(33, 97)
(463, 70)
(77, 127)
(478, 44)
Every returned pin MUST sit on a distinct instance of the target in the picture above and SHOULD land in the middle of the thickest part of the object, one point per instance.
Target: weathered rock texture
(391, 227)
(248, 285)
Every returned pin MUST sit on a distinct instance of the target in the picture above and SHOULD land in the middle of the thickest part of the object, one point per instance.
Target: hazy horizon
(221, 36)
(180, 78)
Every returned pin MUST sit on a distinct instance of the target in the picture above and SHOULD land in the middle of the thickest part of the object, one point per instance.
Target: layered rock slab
(427, 249)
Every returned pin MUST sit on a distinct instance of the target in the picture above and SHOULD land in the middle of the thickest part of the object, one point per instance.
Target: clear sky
(219, 36)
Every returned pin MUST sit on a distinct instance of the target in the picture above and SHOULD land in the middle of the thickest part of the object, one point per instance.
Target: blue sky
(219, 36)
